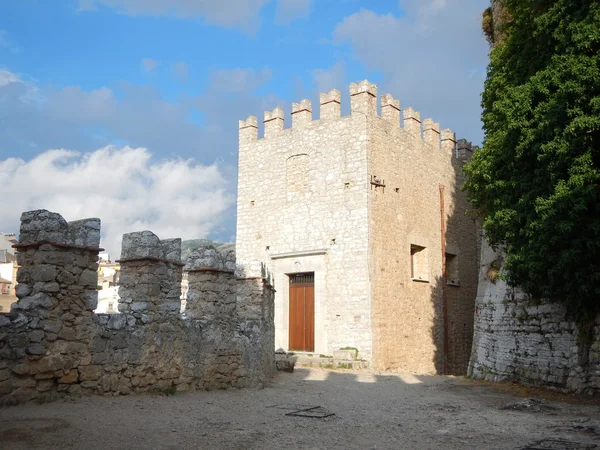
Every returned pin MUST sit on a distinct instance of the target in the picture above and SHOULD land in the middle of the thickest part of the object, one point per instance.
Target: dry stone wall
(52, 343)
(517, 338)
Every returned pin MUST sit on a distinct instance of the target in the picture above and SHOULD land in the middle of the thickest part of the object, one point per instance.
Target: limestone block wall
(302, 207)
(416, 174)
(344, 198)
(530, 342)
(52, 343)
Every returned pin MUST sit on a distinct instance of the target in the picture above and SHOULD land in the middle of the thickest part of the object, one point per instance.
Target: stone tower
(356, 217)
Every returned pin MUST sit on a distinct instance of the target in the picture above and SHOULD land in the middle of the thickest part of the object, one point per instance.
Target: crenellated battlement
(363, 103)
(52, 342)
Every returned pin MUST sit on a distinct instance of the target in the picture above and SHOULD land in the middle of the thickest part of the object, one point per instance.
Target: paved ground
(370, 412)
(6, 301)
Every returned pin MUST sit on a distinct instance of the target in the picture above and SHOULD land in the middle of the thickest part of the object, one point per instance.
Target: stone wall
(302, 207)
(52, 343)
(409, 165)
(517, 338)
(344, 198)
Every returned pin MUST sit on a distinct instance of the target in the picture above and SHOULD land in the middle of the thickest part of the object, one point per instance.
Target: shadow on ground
(364, 410)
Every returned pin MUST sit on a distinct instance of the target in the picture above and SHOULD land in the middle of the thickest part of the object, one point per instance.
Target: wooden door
(302, 312)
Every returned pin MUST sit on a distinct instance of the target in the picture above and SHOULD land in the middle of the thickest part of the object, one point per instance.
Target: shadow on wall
(453, 293)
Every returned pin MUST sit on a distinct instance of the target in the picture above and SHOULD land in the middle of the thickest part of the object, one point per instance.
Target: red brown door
(302, 312)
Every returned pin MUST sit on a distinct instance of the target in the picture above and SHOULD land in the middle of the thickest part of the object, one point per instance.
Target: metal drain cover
(316, 412)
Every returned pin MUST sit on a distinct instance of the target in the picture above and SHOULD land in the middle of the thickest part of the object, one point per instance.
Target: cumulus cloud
(432, 58)
(289, 10)
(181, 71)
(149, 65)
(34, 119)
(124, 186)
(239, 80)
(231, 13)
(7, 78)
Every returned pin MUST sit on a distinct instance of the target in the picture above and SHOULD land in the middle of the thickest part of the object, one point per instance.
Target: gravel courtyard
(370, 411)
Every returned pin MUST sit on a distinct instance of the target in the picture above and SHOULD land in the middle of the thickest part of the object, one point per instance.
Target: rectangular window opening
(419, 263)
(452, 275)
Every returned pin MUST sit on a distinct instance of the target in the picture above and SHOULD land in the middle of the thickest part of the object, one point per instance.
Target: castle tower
(346, 213)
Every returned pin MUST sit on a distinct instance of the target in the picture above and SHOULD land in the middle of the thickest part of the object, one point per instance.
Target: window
(452, 269)
(419, 263)
(297, 176)
(5, 288)
(111, 307)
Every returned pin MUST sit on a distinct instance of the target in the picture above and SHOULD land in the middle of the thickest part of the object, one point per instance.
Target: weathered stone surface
(22, 290)
(117, 321)
(43, 272)
(85, 233)
(90, 373)
(4, 320)
(5, 387)
(171, 249)
(141, 244)
(39, 300)
(42, 225)
(88, 278)
(56, 344)
(35, 349)
(517, 339)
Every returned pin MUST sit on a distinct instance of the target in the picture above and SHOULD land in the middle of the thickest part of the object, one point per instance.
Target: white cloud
(331, 78)
(181, 70)
(230, 13)
(239, 80)
(149, 65)
(36, 118)
(289, 10)
(125, 187)
(432, 58)
(7, 77)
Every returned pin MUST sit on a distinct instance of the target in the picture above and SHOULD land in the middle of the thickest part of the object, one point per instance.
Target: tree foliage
(536, 181)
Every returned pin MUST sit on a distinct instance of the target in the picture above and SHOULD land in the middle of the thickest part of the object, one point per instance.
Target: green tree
(536, 180)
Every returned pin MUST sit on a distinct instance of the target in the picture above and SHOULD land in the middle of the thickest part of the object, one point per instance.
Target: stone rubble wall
(52, 343)
(520, 340)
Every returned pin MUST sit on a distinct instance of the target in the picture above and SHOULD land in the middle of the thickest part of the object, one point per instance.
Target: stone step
(287, 361)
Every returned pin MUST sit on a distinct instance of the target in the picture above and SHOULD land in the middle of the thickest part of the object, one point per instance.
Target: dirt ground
(369, 411)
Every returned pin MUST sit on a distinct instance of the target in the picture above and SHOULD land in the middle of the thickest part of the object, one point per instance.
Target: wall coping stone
(150, 258)
(210, 269)
(55, 244)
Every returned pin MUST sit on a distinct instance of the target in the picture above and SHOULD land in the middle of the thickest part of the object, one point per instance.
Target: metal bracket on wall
(376, 182)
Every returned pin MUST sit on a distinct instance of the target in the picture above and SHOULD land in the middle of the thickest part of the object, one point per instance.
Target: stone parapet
(52, 343)
(363, 104)
(150, 279)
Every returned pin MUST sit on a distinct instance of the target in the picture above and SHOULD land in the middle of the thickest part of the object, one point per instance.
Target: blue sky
(156, 87)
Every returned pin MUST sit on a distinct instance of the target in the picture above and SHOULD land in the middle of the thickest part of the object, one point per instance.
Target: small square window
(419, 263)
(452, 277)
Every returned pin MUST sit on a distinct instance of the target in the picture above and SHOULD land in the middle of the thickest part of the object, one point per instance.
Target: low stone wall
(516, 339)
(52, 343)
